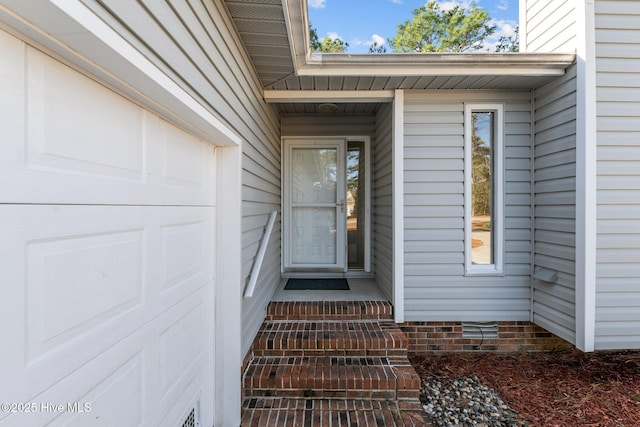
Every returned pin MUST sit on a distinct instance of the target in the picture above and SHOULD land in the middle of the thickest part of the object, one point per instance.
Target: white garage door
(106, 243)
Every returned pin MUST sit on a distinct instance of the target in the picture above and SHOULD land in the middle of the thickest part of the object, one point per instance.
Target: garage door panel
(137, 381)
(72, 140)
(75, 125)
(121, 388)
(107, 242)
(77, 282)
(183, 259)
(184, 158)
(88, 276)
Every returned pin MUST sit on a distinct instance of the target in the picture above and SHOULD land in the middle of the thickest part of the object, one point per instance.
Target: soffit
(366, 83)
(263, 30)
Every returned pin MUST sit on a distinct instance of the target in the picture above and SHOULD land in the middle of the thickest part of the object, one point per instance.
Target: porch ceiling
(344, 109)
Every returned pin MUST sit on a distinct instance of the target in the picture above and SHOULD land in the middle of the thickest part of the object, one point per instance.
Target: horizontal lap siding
(555, 204)
(307, 125)
(618, 175)
(382, 200)
(436, 287)
(550, 26)
(193, 42)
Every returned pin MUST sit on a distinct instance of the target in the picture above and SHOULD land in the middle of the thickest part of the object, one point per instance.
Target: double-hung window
(484, 188)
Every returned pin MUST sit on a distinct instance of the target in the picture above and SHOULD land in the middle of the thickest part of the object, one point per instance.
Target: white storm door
(315, 222)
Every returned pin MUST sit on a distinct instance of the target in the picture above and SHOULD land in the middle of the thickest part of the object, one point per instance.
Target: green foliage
(313, 39)
(481, 168)
(377, 48)
(509, 44)
(435, 30)
(327, 44)
(331, 45)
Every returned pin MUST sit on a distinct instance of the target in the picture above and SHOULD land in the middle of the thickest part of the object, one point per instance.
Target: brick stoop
(331, 363)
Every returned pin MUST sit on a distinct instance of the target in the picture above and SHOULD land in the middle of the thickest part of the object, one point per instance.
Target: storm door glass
(315, 206)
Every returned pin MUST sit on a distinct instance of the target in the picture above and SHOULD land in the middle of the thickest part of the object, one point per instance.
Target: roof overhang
(307, 63)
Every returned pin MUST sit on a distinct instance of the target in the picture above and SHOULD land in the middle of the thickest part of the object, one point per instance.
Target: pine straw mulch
(563, 389)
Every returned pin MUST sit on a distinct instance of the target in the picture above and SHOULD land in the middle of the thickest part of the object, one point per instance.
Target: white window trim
(497, 268)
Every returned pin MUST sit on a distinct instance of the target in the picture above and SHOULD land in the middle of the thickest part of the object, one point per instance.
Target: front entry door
(314, 205)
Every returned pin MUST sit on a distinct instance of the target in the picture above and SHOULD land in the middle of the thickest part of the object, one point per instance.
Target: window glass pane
(482, 188)
(355, 204)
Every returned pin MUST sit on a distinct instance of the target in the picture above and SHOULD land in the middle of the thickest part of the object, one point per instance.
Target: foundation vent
(192, 418)
(480, 330)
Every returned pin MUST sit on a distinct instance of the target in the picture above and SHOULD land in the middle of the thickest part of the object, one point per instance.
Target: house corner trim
(398, 206)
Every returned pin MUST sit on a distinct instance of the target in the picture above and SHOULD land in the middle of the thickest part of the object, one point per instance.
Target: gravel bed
(464, 401)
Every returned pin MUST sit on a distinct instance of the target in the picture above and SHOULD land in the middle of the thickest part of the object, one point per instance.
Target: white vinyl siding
(436, 287)
(382, 200)
(550, 26)
(555, 204)
(307, 125)
(195, 44)
(618, 175)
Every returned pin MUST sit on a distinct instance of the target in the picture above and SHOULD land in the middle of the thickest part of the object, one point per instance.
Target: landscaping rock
(464, 401)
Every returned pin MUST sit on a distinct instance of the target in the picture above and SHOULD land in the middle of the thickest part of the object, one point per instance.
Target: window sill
(484, 270)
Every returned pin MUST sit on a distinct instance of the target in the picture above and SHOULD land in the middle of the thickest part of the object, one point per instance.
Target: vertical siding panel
(550, 26)
(382, 199)
(435, 281)
(618, 179)
(555, 204)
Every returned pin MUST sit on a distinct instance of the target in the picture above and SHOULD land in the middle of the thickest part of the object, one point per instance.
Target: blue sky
(360, 22)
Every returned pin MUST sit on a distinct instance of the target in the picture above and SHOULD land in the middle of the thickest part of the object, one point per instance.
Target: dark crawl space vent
(191, 420)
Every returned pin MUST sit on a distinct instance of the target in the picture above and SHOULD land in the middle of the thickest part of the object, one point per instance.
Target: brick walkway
(331, 364)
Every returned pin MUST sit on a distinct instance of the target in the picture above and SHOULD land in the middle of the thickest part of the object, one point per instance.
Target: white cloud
(333, 35)
(317, 4)
(503, 5)
(450, 4)
(374, 39)
(503, 28)
(396, 1)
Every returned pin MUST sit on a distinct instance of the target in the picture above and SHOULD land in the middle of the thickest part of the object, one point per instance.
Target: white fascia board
(275, 96)
(72, 32)
(437, 64)
(307, 63)
(296, 20)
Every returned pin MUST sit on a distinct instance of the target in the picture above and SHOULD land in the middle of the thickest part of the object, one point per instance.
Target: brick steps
(331, 363)
(315, 338)
(329, 310)
(260, 412)
(332, 377)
